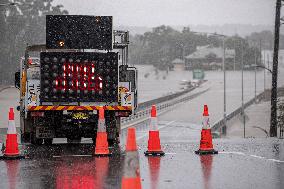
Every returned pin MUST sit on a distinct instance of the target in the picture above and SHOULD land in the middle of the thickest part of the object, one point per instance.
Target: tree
(164, 44)
(21, 25)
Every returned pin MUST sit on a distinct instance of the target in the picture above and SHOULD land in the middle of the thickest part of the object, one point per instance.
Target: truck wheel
(113, 129)
(25, 138)
(114, 141)
(94, 138)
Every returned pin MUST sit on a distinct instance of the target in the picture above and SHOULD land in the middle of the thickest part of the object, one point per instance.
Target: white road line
(254, 156)
(276, 160)
(167, 124)
(170, 153)
(238, 153)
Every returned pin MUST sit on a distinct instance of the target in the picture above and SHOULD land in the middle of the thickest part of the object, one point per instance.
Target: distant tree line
(21, 25)
(164, 44)
(266, 38)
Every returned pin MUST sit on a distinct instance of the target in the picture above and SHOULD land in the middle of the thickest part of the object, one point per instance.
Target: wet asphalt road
(241, 163)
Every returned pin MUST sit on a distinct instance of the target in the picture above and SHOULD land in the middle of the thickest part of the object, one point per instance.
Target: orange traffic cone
(154, 146)
(101, 140)
(131, 171)
(206, 145)
(12, 151)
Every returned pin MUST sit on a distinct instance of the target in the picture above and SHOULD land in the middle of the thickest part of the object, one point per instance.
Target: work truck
(82, 67)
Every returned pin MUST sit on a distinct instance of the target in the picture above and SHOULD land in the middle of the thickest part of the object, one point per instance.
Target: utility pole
(268, 65)
(255, 64)
(273, 117)
(243, 109)
(235, 55)
(224, 70)
(264, 71)
(260, 55)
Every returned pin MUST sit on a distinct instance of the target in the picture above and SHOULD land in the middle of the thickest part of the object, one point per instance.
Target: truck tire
(25, 138)
(113, 130)
(94, 138)
(114, 141)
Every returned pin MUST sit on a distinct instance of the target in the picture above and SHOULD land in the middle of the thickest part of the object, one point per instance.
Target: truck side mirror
(17, 80)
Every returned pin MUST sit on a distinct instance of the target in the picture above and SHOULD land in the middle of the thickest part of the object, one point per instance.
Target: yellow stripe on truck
(60, 107)
(109, 108)
(38, 108)
(71, 108)
(49, 108)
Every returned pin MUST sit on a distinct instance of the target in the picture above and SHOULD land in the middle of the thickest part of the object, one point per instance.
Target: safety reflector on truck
(61, 108)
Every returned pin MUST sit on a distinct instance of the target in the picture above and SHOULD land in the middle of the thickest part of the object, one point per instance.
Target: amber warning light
(61, 43)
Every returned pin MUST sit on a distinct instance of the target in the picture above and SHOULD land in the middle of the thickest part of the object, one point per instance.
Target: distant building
(209, 58)
(178, 64)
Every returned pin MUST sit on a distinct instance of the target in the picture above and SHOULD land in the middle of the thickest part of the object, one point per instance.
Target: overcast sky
(176, 12)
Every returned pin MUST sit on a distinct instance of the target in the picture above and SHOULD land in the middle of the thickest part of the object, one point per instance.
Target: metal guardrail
(219, 124)
(163, 104)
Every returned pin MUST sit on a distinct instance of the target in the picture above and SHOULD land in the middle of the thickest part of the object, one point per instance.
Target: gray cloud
(177, 12)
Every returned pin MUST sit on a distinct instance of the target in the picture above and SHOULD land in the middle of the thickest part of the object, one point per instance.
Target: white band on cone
(205, 123)
(153, 124)
(101, 125)
(11, 127)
